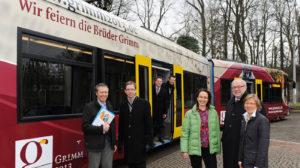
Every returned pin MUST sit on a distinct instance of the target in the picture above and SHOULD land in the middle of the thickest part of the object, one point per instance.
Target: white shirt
(246, 114)
(102, 105)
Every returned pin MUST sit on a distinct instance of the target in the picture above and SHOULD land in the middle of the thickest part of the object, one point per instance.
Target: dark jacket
(254, 142)
(135, 130)
(160, 104)
(231, 131)
(93, 135)
(170, 92)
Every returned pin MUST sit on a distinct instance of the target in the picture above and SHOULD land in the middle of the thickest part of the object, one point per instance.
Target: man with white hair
(232, 123)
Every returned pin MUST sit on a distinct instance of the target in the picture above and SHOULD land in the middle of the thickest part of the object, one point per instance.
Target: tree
(102, 4)
(215, 30)
(188, 42)
(241, 10)
(199, 7)
(146, 11)
(226, 14)
(121, 8)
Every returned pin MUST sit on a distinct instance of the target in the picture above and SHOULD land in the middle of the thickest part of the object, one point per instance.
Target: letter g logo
(34, 152)
(23, 153)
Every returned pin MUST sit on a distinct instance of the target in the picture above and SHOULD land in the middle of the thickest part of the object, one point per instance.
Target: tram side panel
(225, 72)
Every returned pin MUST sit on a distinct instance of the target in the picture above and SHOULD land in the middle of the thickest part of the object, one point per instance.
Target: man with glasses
(135, 127)
(232, 123)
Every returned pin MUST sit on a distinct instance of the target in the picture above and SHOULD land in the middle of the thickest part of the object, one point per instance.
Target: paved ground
(284, 151)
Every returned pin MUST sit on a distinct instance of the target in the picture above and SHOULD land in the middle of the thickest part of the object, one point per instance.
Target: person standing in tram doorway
(135, 128)
(169, 88)
(232, 123)
(160, 104)
(100, 141)
(200, 136)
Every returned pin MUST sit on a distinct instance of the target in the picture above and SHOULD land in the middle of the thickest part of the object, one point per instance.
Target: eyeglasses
(130, 89)
(237, 87)
(252, 104)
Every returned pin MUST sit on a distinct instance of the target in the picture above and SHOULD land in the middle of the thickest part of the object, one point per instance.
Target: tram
(272, 86)
(52, 54)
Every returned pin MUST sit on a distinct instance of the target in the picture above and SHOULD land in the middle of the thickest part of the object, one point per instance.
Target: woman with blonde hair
(255, 135)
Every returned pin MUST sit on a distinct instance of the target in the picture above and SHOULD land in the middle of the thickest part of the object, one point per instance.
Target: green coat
(190, 135)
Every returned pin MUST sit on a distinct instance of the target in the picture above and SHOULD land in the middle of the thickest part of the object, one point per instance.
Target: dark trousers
(230, 153)
(158, 124)
(210, 161)
(159, 128)
(137, 165)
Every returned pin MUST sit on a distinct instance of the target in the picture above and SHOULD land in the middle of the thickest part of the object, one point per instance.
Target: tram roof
(83, 8)
(236, 65)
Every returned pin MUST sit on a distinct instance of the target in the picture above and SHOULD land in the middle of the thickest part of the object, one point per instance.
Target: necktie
(157, 90)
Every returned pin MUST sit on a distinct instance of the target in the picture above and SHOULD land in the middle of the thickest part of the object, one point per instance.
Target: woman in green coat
(200, 136)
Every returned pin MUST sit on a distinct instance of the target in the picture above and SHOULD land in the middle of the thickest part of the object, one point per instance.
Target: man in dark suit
(100, 141)
(159, 96)
(135, 127)
(169, 87)
(232, 123)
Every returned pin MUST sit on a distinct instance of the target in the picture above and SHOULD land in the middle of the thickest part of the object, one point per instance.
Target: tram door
(258, 88)
(159, 70)
(143, 73)
(178, 101)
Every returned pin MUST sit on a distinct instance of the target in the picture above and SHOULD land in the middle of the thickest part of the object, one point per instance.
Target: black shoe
(160, 140)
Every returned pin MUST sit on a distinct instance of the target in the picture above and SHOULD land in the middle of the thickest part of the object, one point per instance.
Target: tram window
(250, 87)
(117, 72)
(276, 93)
(160, 72)
(54, 49)
(266, 92)
(192, 82)
(225, 91)
(199, 82)
(188, 90)
(51, 86)
(178, 100)
(54, 88)
(144, 82)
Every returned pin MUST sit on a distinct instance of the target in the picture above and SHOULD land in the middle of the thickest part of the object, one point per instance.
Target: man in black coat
(159, 96)
(232, 123)
(135, 127)
(169, 87)
(100, 141)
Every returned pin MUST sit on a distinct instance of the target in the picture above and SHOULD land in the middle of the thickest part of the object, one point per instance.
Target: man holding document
(98, 125)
